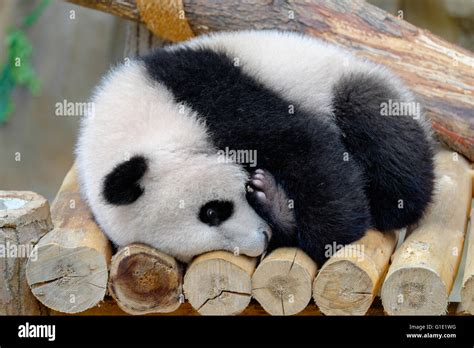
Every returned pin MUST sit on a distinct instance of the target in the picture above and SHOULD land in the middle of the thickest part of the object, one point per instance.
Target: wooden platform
(109, 307)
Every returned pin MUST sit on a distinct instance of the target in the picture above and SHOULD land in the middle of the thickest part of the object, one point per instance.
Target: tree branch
(440, 73)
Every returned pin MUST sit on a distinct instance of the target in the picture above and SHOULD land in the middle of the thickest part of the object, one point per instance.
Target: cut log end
(349, 281)
(282, 282)
(343, 288)
(144, 280)
(69, 280)
(24, 219)
(19, 208)
(68, 271)
(219, 283)
(414, 291)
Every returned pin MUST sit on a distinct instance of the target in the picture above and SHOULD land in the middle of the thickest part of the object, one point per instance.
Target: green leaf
(18, 70)
(35, 14)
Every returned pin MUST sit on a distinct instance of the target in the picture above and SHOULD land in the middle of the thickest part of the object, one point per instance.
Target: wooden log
(440, 73)
(123, 8)
(24, 219)
(144, 280)
(219, 283)
(283, 281)
(424, 267)
(70, 271)
(467, 290)
(349, 281)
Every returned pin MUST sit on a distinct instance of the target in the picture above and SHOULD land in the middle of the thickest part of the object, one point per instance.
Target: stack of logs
(73, 269)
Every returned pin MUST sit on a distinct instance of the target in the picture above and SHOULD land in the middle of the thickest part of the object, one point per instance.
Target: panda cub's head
(150, 173)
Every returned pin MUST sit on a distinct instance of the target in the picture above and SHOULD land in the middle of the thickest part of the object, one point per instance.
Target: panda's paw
(270, 200)
(262, 187)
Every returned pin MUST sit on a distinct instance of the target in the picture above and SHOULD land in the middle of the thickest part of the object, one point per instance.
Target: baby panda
(330, 163)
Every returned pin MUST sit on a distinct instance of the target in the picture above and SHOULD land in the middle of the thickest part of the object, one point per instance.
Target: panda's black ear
(121, 185)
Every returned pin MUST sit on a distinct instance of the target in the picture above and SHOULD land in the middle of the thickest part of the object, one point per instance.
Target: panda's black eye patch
(121, 185)
(214, 213)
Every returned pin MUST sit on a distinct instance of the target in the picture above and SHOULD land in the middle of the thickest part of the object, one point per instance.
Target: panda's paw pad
(263, 186)
(270, 199)
(265, 192)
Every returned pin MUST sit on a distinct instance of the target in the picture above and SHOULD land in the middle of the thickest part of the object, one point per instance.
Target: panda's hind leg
(270, 201)
(394, 151)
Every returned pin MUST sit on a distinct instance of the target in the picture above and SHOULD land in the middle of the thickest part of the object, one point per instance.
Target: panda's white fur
(135, 114)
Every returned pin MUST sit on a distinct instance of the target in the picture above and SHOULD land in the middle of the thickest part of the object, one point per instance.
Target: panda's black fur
(336, 200)
(399, 190)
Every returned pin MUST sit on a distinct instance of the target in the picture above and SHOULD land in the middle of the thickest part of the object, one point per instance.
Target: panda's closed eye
(214, 213)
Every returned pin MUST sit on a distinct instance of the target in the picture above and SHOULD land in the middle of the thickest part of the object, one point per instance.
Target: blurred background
(72, 47)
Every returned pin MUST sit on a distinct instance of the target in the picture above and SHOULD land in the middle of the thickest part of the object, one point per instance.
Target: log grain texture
(283, 281)
(24, 219)
(70, 272)
(349, 281)
(219, 283)
(143, 280)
